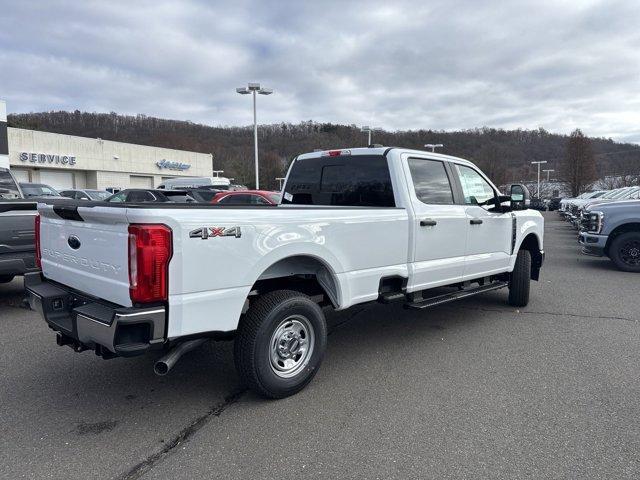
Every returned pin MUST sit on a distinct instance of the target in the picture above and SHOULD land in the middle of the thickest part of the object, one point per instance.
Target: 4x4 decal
(208, 232)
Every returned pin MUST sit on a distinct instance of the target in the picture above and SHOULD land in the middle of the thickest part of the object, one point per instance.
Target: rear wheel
(6, 278)
(280, 343)
(625, 251)
(520, 280)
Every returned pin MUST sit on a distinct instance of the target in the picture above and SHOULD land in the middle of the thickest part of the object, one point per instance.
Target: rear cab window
(346, 181)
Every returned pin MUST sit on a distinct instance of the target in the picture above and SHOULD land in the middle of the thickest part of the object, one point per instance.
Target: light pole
(549, 170)
(255, 88)
(539, 163)
(433, 146)
(369, 130)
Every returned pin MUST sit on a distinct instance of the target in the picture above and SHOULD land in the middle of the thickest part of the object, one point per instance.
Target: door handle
(428, 222)
(475, 221)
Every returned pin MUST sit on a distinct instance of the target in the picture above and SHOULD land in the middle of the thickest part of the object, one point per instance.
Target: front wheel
(625, 251)
(280, 343)
(520, 280)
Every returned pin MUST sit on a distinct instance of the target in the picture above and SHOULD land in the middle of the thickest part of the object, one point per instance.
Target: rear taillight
(150, 251)
(38, 253)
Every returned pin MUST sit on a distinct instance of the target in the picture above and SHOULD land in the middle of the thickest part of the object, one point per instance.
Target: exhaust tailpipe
(166, 363)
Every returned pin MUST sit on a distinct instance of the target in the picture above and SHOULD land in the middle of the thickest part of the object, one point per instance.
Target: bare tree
(578, 168)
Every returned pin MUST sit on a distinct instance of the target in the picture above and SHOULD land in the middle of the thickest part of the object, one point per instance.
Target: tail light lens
(38, 254)
(150, 250)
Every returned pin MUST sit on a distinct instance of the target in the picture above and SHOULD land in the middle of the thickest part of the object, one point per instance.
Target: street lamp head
(265, 91)
(254, 86)
(365, 128)
(243, 90)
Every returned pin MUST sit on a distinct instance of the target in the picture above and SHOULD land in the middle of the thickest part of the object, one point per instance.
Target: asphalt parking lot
(475, 389)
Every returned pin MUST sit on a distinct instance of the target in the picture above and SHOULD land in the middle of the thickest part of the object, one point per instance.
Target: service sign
(46, 158)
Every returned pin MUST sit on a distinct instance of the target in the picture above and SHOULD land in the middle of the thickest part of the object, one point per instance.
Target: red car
(247, 197)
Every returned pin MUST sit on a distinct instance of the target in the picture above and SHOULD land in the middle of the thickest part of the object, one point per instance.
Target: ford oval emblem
(74, 242)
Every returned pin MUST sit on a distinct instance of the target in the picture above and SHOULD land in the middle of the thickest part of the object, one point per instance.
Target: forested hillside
(504, 154)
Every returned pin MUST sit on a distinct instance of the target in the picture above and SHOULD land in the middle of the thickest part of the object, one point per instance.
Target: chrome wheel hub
(291, 346)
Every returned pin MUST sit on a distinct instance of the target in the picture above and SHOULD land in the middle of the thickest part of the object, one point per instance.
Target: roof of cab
(383, 151)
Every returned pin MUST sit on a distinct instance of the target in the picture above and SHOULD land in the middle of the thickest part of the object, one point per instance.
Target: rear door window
(258, 200)
(348, 181)
(430, 181)
(237, 199)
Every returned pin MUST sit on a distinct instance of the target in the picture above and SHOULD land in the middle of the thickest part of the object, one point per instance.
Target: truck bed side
(353, 247)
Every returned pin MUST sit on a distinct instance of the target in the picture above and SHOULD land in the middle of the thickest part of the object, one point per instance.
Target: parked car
(221, 183)
(554, 203)
(86, 194)
(538, 204)
(17, 237)
(203, 194)
(354, 226)
(613, 230)
(149, 195)
(565, 203)
(247, 197)
(618, 194)
(30, 190)
(572, 212)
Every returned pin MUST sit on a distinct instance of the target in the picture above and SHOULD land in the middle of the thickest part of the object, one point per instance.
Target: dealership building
(66, 161)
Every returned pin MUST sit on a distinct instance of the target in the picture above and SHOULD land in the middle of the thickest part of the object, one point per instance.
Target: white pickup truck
(354, 226)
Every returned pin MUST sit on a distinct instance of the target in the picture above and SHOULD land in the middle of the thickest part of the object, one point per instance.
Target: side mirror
(520, 197)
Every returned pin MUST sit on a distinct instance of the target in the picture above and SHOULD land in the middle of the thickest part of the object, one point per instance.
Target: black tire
(6, 278)
(520, 280)
(253, 349)
(624, 251)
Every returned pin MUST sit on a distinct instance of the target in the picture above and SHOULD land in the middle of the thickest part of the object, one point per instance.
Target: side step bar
(450, 297)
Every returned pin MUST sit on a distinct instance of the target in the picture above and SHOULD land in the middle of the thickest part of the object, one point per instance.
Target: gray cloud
(397, 65)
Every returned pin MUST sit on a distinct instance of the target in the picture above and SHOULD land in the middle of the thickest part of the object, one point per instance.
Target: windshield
(629, 193)
(619, 193)
(97, 194)
(8, 187)
(610, 194)
(38, 190)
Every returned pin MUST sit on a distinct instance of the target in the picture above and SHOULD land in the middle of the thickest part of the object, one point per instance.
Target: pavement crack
(138, 470)
(556, 314)
(335, 326)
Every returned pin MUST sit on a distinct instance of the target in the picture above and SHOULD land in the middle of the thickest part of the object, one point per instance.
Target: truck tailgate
(87, 249)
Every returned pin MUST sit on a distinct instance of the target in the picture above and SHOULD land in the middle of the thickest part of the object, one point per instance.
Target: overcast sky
(393, 64)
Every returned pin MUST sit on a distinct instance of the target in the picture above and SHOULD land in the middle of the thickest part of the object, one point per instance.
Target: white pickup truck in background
(354, 226)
